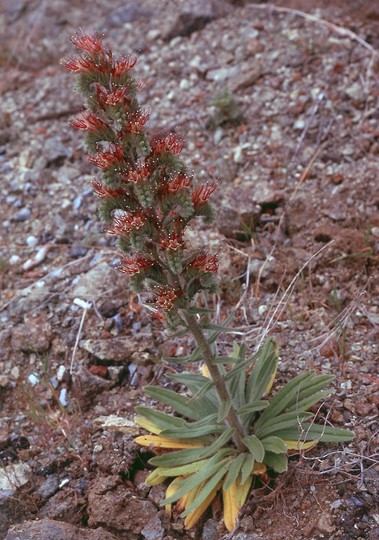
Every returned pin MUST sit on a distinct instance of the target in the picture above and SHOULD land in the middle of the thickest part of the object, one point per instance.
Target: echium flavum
(228, 432)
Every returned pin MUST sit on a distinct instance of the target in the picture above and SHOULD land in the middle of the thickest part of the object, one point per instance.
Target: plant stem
(223, 392)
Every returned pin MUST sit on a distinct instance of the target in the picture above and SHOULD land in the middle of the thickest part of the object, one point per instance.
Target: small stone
(34, 336)
(14, 260)
(22, 215)
(12, 477)
(49, 487)
(33, 379)
(324, 523)
(299, 124)
(49, 529)
(362, 408)
(153, 34)
(355, 92)
(15, 372)
(154, 529)
(63, 397)
(31, 241)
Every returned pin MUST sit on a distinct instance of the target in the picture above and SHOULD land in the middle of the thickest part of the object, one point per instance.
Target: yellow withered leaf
(300, 445)
(271, 381)
(259, 468)
(147, 424)
(155, 478)
(205, 371)
(194, 516)
(171, 490)
(231, 507)
(156, 441)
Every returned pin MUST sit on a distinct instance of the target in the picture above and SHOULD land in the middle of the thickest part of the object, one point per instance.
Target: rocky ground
(295, 145)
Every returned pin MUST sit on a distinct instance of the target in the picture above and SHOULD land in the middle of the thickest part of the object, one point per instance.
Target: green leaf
(182, 457)
(282, 421)
(212, 468)
(254, 406)
(255, 446)
(160, 419)
(282, 398)
(234, 470)
(304, 404)
(205, 490)
(181, 404)
(310, 432)
(247, 468)
(309, 389)
(275, 445)
(184, 470)
(278, 462)
(263, 370)
(223, 411)
(189, 432)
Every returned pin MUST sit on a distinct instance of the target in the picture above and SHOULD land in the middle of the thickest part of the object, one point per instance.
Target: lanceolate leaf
(182, 457)
(282, 398)
(247, 468)
(160, 419)
(181, 404)
(254, 406)
(279, 462)
(282, 421)
(208, 487)
(274, 445)
(234, 470)
(210, 471)
(261, 374)
(310, 432)
(255, 446)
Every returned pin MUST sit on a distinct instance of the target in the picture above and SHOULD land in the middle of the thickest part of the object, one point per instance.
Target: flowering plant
(227, 432)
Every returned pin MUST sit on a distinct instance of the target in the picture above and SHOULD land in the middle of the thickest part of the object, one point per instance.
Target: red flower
(179, 182)
(138, 175)
(206, 263)
(124, 224)
(104, 160)
(173, 241)
(122, 65)
(90, 43)
(132, 266)
(102, 190)
(113, 98)
(202, 193)
(166, 298)
(170, 143)
(136, 122)
(78, 65)
(88, 121)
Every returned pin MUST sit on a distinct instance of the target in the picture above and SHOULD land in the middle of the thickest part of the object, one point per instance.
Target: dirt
(298, 227)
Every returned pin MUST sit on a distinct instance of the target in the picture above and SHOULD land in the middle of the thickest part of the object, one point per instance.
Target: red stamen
(125, 224)
(206, 263)
(202, 193)
(90, 43)
(87, 121)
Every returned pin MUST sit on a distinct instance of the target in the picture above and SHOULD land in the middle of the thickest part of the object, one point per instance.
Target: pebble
(14, 259)
(33, 379)
(31, 241)
(15, 372)
(61, 372)
(63, 397)
(22, 215)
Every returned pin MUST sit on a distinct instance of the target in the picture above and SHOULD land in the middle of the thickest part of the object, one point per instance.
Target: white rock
(14, 259)
(31, 241)
(12, 477)
(15, 372)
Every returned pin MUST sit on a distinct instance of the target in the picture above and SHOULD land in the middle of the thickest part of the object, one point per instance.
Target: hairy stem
(232, 417)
